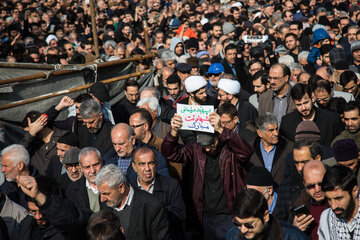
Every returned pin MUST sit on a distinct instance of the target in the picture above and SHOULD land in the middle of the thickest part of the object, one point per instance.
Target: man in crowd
(124, 143)
(175, 88)
(165, 189)
(212, 194)
(96, 130)
(261, 84)
(350, 83)
(127, 105)
(313, 198)
(270, 149)
(352, 123)
(229, 93)
(340, 221)
(84, 193)
(328, 122)
(140, 214)
(72, 169)
(252, 217)
(277, 100)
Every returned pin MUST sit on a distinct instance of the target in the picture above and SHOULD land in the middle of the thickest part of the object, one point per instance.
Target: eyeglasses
(247, 225)
(136, 126)
(275, 78)
(70, 166)
(312, 185)
(69, 49)
(322, 99)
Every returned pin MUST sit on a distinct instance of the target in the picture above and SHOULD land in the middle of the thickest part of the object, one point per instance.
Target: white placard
(195, 117)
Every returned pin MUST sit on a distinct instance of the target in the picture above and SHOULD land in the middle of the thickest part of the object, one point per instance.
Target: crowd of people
(282, 163)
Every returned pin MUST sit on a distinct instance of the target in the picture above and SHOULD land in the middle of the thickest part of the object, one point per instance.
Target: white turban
(194, 83)
(229, 86)
(51, 37)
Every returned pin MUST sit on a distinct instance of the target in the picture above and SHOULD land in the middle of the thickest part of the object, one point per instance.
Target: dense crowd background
(283, 77)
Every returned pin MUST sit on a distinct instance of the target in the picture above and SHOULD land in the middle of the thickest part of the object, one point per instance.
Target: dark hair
(339, 177)
(78, 58)
(82, 97)
(255, 61)
(249, 203)
(263, 75)
(33, 115)
(326, 49)
(216, 24)
(347, 77)
(230, 47)
(291, 34)
(173, 79)
(299, 90)
(336, 104)
(101, 222)
(314, 147)
(227, 108)
(131, 83)
(144, 115)
(298, 23)
(52, 59)
(322, 84)
(350, 106)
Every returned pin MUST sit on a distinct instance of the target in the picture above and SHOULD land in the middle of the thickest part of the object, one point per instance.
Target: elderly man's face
(10, 170)
(145, 166)
(90, 165)
(122, 142)
(111, 196)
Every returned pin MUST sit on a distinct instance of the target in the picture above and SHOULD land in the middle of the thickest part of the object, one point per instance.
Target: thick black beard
(350, 209)
(199, 101)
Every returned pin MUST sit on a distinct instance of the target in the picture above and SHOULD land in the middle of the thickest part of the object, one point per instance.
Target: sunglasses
(311, 186)
(247, 225)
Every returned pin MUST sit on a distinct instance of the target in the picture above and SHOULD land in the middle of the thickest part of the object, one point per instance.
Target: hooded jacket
(174, 41)
(319, 34)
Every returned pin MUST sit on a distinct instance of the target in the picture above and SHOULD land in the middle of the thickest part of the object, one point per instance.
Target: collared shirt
(273, 203)
(91, 187)
(280, 106)
(128, 201)
(268, 157)
(124, 163)
(151, 187)
(232, 68)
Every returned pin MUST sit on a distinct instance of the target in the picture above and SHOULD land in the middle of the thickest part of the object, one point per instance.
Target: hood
(320, 34)
(174, 41)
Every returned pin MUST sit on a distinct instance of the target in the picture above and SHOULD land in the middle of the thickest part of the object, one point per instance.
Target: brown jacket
(266, 102)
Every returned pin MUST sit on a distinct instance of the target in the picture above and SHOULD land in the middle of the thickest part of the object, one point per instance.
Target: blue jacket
(111, 157)
(319, 34)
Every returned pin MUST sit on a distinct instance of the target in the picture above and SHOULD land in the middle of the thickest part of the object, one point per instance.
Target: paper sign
(195, 117)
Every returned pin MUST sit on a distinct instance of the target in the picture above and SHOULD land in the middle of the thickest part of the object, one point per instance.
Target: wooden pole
(71, 90)
(94, 29)
(68, 71)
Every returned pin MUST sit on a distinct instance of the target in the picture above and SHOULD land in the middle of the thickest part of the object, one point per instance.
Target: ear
(267, 216)
(20, 166)
(318, 157)
(133, 140)
(121, 188)
(101, 115)
(355, 192)
(236, 118)
(259, 133)
(270, 190)
(133, 166)
(267, 85)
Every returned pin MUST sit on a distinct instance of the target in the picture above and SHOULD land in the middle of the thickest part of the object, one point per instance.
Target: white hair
(152, 102)
(303, 55)
(295, 66)
(18, 153)
(168, 55)
(287, 60)
(110, 174)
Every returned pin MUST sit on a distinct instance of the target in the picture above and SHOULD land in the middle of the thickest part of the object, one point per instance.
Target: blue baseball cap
(215, 68)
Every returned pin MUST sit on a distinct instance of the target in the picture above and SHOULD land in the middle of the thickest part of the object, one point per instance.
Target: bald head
(323, 73)
(313, 166)
(123, 139)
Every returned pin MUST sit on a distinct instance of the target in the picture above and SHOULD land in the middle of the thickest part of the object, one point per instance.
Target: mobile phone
(301, 210)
